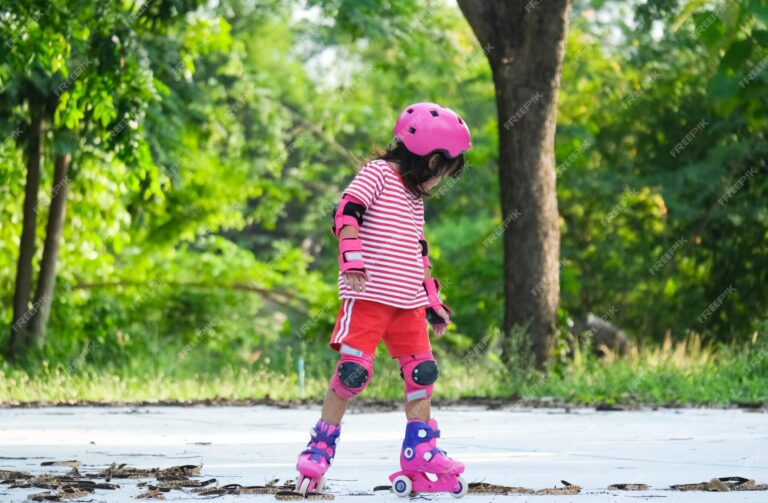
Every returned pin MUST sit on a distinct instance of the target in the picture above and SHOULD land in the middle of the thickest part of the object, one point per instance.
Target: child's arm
(359, 195)
(438, 314)
(354, 279)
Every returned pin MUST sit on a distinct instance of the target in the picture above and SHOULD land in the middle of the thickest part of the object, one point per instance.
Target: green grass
(684, 373)
(687, 373)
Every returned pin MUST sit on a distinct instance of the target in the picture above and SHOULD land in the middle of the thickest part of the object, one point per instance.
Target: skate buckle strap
(321, 436)
(321, 452)
(435, 451)
(424, 435)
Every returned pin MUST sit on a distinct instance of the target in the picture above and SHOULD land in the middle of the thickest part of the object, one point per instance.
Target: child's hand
(351, 262)
(354, 281)
(441, 328)
(438, 314)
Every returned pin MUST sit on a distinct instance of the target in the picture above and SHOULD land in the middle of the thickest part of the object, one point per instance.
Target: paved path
(530, 448)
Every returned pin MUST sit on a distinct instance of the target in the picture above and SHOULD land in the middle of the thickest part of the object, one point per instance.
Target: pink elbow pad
(350, 212)
(424, 252)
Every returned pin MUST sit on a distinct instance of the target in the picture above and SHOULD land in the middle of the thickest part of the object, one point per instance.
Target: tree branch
(282, 298)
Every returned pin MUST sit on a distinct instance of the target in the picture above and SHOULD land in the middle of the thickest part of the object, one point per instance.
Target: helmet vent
(410, 110)
(460, 121)
(412, 130)
(433, 112)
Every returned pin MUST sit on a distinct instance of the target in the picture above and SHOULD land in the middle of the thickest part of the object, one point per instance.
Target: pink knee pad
(419, 373)
(353, 372)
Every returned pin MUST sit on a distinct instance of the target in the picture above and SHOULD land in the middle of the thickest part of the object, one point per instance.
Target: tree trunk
(19, 332)
(524, 41)
(46, 281)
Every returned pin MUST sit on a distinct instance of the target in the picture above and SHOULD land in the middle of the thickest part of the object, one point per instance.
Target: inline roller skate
(315, 460)
(424, 467)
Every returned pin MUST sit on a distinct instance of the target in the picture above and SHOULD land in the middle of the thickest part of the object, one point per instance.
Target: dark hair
(414, 169)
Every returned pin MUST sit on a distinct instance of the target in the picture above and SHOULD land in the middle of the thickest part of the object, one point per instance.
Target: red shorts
(361, 324)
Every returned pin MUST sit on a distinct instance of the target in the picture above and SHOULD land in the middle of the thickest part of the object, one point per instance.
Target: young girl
(387, 291)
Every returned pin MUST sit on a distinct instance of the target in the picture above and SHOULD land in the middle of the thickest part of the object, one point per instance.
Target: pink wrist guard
(432, 286)
(351, 256)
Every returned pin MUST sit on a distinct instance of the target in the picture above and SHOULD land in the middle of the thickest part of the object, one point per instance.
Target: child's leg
(359, 327)
(418, 409)
(334, 407)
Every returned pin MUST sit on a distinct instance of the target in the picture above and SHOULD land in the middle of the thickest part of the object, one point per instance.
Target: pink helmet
(426, 127)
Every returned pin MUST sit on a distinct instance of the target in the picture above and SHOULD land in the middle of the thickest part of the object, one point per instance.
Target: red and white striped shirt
(392, 226)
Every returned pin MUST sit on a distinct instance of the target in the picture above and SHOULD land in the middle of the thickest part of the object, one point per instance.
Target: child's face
(433, 182)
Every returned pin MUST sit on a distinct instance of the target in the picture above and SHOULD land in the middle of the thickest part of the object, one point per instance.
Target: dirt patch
(723, 484)
(486, 488)
(628, 487)
(567, 489)
(155, 483)
(185, 478)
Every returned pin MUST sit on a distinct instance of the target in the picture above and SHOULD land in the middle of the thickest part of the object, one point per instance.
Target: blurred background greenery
(207, 142)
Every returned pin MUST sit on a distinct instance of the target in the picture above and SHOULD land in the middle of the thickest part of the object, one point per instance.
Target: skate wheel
(302, 485)
(320, 484)
(402, 486)
(463, 488)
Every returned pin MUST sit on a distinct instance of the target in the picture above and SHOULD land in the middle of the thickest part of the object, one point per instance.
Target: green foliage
(211, 141)
(676, 156)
